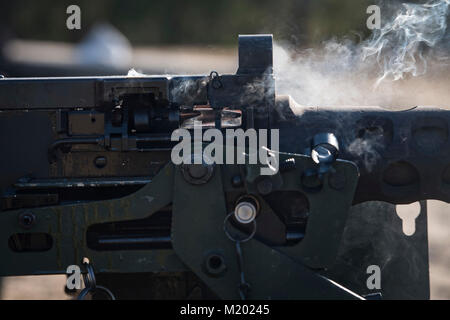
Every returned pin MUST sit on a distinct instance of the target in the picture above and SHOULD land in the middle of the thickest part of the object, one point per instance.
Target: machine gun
(86, 172)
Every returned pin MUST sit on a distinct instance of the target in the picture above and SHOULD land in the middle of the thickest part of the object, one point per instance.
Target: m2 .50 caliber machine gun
(86, 172)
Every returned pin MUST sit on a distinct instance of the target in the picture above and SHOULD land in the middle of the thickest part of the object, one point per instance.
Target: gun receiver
(86, 172)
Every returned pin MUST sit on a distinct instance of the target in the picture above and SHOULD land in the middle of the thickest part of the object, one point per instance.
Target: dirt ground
(439, 246)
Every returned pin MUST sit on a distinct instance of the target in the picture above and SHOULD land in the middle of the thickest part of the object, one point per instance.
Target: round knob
(245, 212)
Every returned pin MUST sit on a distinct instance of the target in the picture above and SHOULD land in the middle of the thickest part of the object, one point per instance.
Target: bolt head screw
(100, 162)
(245, 212)
(27, 220)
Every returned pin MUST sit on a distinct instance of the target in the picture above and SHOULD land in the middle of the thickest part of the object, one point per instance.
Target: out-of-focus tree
(214, 22)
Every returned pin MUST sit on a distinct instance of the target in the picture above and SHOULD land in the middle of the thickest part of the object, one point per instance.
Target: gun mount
(86, 172)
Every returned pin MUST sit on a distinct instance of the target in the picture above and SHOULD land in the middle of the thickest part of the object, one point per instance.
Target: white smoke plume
(398, 45)
(132, 73)
(341, 72)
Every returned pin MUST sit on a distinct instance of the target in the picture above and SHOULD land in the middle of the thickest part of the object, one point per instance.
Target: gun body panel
(403, 156)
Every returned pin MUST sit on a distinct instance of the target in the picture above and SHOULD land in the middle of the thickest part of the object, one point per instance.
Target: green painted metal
(328, 211)
(67, 225)
(199, 212)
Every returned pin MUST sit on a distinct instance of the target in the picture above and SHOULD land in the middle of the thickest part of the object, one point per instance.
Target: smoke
(132, 73)
(399, 45)
(342, 72)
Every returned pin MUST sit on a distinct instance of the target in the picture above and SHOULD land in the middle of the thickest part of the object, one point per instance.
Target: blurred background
(161, 36)
(194, 22)
(194, 37)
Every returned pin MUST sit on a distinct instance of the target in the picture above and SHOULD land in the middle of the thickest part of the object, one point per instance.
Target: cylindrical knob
(245, 212)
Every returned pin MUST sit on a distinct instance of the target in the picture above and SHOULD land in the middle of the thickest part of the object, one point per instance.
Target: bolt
(215, 265)
(197, 173)
(100, 162)
(245, 212)
(27, 220)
